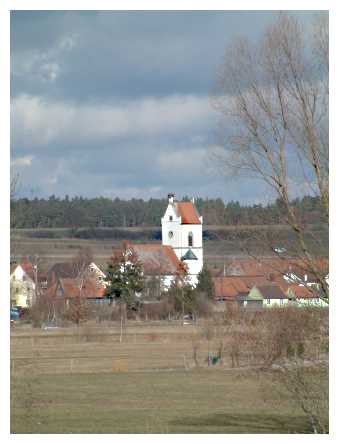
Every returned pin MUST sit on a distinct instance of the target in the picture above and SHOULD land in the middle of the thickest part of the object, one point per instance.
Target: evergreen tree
(205, 283)
(124, 275)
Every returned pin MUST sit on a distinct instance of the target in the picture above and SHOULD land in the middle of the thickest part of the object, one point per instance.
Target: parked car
(15, 313)
(188, 319)
(279, 249)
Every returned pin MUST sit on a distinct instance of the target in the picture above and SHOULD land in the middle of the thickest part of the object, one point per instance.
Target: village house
(292, 270)
(72, 270)
(305, 296)
(256, 292)
(65, 290)
(158, 261)
(26, 281)
(68, 280)
(266, 296)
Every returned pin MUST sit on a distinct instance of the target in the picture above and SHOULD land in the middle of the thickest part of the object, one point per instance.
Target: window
(268, 301)
(190, 239)
(170, 234)
(171, 218)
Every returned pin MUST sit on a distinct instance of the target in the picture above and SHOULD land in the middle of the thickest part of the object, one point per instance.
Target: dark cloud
(117, 103)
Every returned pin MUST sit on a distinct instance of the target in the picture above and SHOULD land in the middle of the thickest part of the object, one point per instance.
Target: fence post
(185, 362)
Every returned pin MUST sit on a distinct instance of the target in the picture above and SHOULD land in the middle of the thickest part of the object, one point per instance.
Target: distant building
(25, 280)
(70, 270)
(304, 296)
(67, 289)
(266, 296)
(182, 231)
(157, 261)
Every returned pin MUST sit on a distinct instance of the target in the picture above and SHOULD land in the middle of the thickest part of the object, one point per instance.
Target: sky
(118, 104)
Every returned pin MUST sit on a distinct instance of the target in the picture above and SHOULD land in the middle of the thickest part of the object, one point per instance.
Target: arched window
(190, 239)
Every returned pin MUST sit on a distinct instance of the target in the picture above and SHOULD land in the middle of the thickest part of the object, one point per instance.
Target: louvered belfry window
(190, 239)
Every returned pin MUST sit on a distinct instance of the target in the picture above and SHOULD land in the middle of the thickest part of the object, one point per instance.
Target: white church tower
(182, 230)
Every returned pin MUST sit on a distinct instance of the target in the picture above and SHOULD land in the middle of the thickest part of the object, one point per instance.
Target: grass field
(203, 401)
(86, 381)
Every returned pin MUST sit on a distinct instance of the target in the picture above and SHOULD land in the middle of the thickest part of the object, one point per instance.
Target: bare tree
(35, 260)
(273, 97)
(14, 185)
(308, 386)
(82, 274)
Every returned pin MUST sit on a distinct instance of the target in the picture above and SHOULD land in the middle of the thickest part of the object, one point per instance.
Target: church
(181, 228)
(182, 231)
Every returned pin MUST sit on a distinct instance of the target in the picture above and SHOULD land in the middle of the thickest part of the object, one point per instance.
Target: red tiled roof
(274, 267)
(252, 281)
(228, 287)
(256, 267)
(156, 258)
(188, 213)
(301, 292)
(271, 291)
(28, 269)
(90, 288)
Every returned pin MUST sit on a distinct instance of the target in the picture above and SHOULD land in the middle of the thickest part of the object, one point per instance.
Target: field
(87, 381)
(221, 243)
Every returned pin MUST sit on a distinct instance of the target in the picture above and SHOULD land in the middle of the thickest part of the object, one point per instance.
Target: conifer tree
(205, 283)
(124, 275)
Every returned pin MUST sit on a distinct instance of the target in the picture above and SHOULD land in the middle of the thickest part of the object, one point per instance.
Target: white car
(279, 249)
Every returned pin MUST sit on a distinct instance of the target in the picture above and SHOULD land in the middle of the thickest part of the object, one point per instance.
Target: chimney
(193, 200)
(171, 197)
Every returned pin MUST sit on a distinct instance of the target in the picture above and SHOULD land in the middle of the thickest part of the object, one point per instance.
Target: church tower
(182, 230)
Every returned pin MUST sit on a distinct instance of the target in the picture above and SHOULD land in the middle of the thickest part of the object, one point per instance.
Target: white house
(99, 274)
(182, 230)
(22, 284)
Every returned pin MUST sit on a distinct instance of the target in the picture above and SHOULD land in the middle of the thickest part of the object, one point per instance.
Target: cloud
(39, 121)
(181, 161)
(117, 103)
(134, 192)
(43, 65)
(22, 161)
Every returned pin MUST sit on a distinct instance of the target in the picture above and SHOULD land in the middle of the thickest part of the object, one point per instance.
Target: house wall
(22, 293)
(18, 273)
(254, 294)
(307, 302)
(269, 303)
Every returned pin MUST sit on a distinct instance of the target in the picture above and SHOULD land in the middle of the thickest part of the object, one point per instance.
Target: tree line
(76, 212)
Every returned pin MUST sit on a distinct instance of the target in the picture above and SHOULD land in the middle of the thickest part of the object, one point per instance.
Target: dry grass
(201, 401)
(97, 349)
(83, 380)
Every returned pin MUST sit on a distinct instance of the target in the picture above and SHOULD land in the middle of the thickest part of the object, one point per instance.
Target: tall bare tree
(82, 272)
(273, 97)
